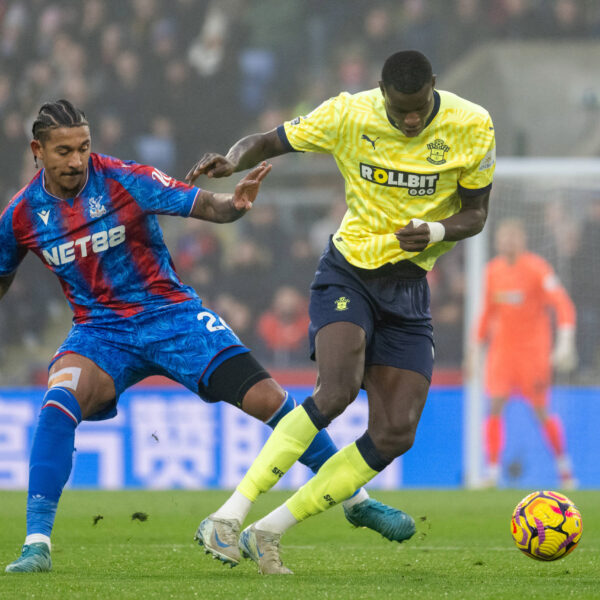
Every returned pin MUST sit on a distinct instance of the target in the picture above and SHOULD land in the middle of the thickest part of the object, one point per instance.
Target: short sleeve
(317, 131)
(479, 173)
(154, 191)
(11, 254)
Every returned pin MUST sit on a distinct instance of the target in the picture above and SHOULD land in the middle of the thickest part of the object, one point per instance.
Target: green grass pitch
(462, 549)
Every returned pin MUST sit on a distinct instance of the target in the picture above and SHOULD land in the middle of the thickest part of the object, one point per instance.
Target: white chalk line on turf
(474, 549)
(399, 548)
(358, 546)
(404, 548)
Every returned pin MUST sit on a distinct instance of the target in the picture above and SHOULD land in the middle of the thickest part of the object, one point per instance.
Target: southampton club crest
(96, 208)
(437, 152)
(341, 303)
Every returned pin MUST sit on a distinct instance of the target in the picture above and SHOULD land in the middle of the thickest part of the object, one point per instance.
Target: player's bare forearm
(244, 154)
(5, 284)
(215, 207)
(252, 149)
(225, 208)
(469, 221)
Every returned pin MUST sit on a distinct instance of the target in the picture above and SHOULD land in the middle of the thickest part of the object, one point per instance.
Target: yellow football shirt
(391, 178)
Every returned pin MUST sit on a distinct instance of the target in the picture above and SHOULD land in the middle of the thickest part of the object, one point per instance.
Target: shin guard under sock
(51, 458)
(289, 440)
(337, 480)
(321, 448)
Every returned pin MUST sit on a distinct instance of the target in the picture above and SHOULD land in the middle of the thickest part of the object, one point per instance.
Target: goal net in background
(558, 200)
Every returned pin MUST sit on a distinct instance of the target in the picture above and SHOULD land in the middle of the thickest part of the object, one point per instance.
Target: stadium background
(164, 81)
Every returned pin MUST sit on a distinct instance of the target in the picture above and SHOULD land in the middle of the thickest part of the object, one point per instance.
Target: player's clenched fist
(211, 165)
(412, 237)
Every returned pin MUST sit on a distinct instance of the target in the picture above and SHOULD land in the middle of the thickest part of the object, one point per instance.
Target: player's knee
(396, 435)
(273, 397)
(92, 388)
(333, 398)
(331, 407)
(92, 401)
(395, 441)
(263, 399)
(244, 383)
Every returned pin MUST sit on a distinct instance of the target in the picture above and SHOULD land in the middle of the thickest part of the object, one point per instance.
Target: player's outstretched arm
(469, 221)
(5, 283)
(224, 208)
(244, 154)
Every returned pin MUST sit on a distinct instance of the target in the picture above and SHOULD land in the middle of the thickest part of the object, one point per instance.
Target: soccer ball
(546, 525)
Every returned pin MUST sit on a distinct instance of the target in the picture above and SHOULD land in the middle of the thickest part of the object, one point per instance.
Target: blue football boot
(390, 522)
(34, 558)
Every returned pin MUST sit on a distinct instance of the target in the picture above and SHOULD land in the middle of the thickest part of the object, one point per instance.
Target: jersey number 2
(162, 177)
(211, 321)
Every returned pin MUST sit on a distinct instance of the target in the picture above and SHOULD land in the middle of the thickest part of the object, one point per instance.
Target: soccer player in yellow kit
(418, 165)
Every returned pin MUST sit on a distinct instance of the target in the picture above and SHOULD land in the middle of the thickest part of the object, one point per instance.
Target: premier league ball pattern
(546, 525)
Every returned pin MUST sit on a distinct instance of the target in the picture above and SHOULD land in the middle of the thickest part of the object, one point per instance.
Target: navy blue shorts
(391, 304)
(185, 342)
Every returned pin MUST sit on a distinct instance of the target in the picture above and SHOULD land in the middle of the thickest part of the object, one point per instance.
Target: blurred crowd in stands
(163, 81)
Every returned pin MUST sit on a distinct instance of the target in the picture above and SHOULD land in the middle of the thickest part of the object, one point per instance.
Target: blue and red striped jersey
(105, 245)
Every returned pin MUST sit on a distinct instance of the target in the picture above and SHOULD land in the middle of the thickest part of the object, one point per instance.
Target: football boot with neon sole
(263, 548)
(35, 558)
(220, 538)
(390, 522)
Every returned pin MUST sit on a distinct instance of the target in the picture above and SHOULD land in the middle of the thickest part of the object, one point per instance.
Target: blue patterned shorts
(185, 342)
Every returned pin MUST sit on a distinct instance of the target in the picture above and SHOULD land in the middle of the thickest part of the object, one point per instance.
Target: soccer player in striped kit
(92, 220)
(418, 166)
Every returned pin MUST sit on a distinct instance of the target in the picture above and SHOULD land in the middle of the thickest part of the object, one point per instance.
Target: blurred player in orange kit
(521, 292)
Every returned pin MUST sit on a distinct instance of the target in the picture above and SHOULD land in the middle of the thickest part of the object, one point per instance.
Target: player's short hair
(407, 71)
(56, 114)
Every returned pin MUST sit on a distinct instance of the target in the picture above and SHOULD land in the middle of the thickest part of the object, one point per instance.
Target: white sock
(236, 507)
(359, 497)
(278, 521)
(36, 538)
(565, 468)
(494, 473)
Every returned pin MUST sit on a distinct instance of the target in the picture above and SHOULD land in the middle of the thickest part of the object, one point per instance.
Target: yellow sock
(285, 446)
(337, 480)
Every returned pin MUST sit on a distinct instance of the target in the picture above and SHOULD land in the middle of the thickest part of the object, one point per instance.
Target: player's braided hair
(56, 114)
(407, 71)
